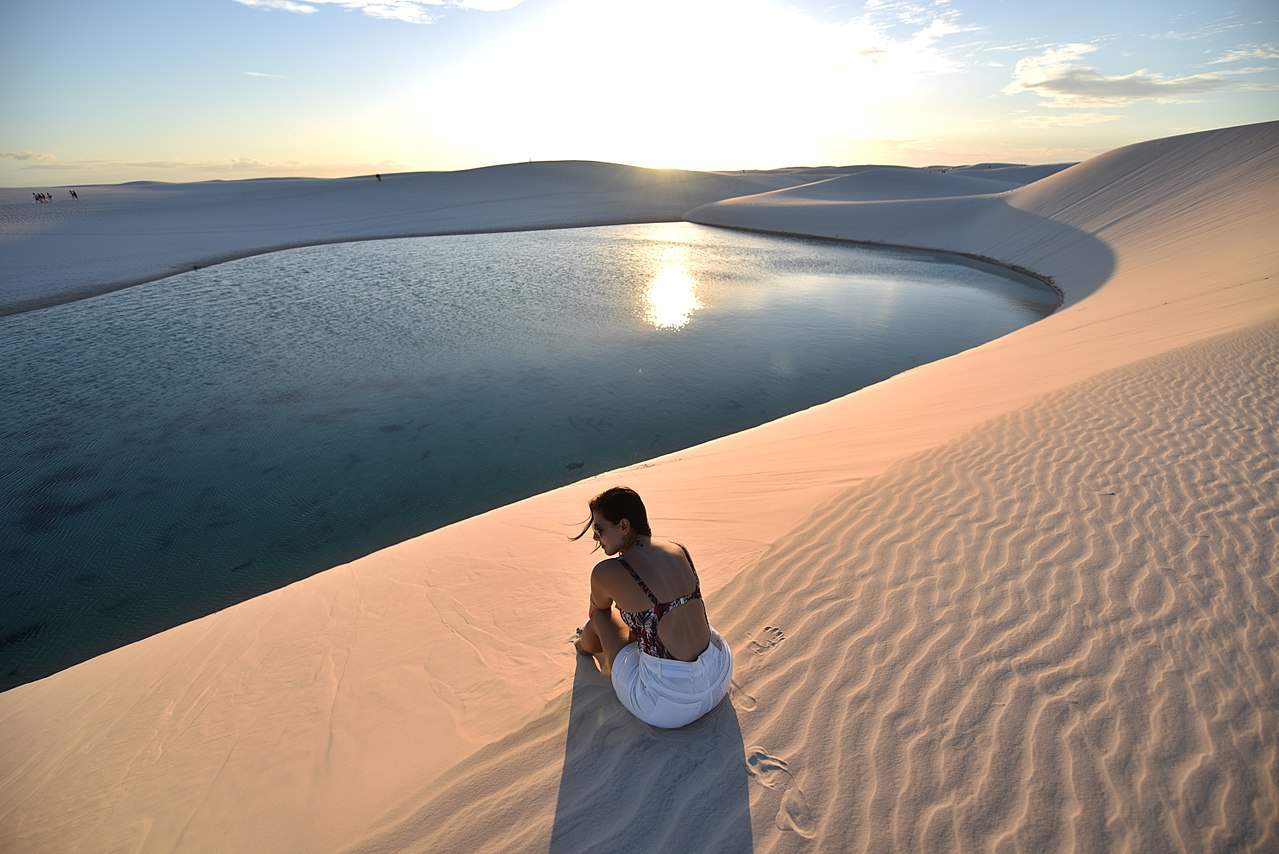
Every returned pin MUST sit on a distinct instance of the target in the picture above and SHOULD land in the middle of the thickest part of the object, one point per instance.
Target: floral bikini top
(644, 623)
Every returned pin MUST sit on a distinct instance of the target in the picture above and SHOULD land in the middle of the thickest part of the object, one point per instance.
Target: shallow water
(177, 447)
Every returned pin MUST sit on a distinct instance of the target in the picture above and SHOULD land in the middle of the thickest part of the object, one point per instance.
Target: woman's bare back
(684, 631)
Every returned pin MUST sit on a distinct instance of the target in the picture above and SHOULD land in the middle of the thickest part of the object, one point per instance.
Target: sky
(193, 90)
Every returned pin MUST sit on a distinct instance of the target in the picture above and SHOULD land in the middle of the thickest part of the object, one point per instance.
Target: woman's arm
(601, 590)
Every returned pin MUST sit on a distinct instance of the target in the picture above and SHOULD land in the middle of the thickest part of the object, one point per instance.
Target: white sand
(1057, 631)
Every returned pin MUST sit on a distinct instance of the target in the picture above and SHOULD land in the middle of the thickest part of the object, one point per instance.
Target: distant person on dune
(667, 665)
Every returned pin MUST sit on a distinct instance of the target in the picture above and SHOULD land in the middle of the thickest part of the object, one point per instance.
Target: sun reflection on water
(671, 298)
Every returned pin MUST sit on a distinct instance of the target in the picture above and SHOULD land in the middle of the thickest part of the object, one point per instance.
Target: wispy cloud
(1249, 51)
(1058, 76)
(265, 74)
(901, 11)
(27, 155)
(409, 11)
(955, 151)
(910, 34)
(233, 165)
(281, 5)
(1064, 120)
(201, 170)
(1021, 46)
(1216, 28)
(928, 22)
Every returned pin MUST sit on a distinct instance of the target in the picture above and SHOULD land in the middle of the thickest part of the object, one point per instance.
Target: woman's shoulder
(681, 550)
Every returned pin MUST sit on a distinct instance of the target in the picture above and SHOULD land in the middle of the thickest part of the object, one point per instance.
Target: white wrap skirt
(667, 693)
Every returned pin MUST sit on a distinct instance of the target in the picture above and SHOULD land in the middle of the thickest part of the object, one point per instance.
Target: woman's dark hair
(616, 504)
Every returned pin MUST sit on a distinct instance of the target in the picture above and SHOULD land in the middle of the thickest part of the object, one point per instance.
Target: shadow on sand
(628, 785)
(624, 785)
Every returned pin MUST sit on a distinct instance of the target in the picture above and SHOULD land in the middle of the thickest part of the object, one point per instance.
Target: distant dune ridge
(892, 183)
(1021, 598)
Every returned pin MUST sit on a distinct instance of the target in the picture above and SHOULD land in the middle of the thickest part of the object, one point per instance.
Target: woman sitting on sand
(668, 666)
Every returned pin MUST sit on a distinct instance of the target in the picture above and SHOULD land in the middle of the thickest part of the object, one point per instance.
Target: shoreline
(982, 261)
(204, 263)
(213, 261)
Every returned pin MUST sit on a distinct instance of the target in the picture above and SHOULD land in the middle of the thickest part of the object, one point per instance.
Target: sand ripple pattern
(1057, 633)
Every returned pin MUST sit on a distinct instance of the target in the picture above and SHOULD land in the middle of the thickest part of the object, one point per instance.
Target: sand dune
(888, 183)
(1012, 174)
(950, 633)
(1056, 632)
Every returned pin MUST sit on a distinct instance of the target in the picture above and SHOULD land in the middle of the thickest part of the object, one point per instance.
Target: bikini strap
(697, 582)
(639, 581)
(690, 562)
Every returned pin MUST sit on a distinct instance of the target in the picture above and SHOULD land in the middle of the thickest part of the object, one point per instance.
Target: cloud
(1066, 120)
(27, 155)
(1058, 76)
(265, 74)
(203, 170)
(928, 22)
(409, 11)
(901, 11)
(908, 35)
(1216, 28)
(1250, 51)
(487, 5)
(282, 5)
(1021, 47)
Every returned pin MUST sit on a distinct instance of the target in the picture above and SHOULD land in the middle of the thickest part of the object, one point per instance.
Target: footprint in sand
(742, 700)
(772, 772)
(795, 814)
(770, 637)
(768, 770)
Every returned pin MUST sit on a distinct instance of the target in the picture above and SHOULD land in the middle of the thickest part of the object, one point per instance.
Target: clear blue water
(177, 447)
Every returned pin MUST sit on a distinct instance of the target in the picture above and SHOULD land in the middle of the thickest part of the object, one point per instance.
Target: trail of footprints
(769, 771)
(772, 772)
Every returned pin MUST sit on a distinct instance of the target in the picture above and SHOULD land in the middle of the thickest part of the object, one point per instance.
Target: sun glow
(708, 85)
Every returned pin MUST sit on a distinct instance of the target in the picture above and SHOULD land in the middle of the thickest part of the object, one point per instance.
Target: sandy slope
(948, 637)
(1055, 633)
(1011, 174)
(889, 183)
